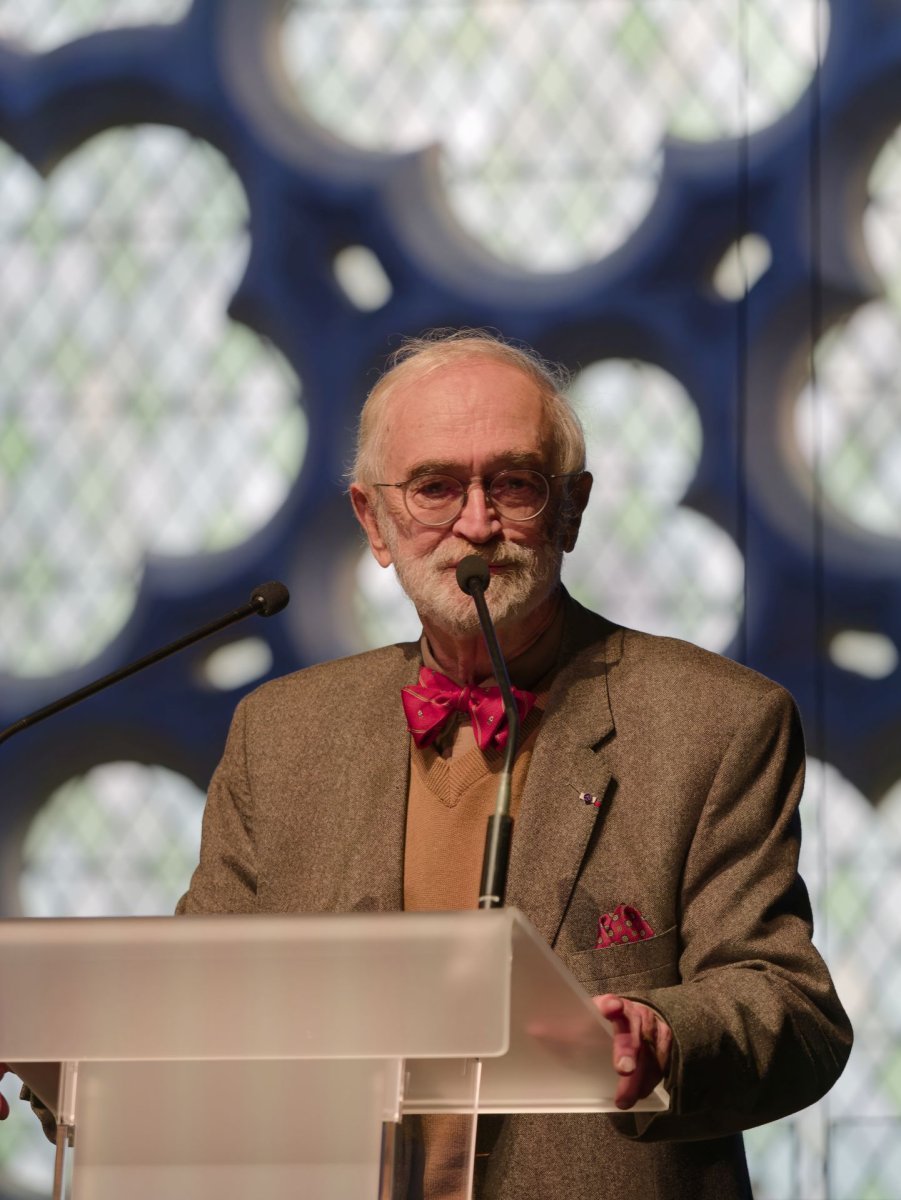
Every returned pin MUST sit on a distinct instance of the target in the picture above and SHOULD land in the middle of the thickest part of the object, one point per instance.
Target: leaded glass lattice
(136, 418)
(849, 425)
(641, 558)
(133, 412)
(121, 840)
(526, 99)
(43, 24)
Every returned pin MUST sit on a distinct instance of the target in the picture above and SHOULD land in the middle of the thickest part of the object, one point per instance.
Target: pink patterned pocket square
(624, 924)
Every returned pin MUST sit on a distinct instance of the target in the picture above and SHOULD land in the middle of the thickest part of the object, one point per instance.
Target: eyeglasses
(518, 495)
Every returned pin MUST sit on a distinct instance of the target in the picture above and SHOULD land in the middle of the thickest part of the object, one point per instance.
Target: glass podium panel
(226, 1056)
(327, 986)
(231, 1130)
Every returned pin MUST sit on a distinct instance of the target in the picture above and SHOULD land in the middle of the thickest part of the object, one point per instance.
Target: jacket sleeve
(225, 880)
(758, 1029)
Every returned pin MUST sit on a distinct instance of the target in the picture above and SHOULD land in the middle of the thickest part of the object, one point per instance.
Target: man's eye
(433, 489)
(515, 486)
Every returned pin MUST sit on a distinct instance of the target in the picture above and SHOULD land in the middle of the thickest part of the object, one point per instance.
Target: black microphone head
(472, 570)
(270, 598)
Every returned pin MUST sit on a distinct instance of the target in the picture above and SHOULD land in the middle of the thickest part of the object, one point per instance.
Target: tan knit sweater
(449, 803)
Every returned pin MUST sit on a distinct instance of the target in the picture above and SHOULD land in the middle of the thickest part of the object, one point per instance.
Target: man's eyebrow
(511, 458)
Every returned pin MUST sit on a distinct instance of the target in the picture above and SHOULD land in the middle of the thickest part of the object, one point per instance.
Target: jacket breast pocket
(630, 966)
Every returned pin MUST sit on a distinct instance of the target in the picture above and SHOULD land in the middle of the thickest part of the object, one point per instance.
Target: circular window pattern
(848, 424)
(118, 270)
(121, 840)
(43, 24)
(526, 99)
(641, 559)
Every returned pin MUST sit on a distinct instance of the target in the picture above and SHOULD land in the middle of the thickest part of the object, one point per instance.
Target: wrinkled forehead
(466, 414)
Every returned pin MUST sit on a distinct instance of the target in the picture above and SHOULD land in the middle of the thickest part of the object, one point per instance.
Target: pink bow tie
(432, 702)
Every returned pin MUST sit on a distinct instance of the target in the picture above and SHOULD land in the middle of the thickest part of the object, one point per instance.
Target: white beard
(531, 575)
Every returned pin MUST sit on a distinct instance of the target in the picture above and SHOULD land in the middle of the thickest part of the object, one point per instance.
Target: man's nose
(478, 521)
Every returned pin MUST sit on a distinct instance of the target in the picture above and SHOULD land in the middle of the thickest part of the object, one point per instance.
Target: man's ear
(573, 507)
(364, 509)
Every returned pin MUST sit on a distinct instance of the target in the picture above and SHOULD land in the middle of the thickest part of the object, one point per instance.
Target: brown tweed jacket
(700, 764)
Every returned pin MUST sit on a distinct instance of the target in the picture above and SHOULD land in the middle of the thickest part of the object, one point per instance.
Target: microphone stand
(473, 577)
(267, 599)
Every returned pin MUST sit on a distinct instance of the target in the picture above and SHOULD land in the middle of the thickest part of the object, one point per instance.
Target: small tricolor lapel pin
(590, 798)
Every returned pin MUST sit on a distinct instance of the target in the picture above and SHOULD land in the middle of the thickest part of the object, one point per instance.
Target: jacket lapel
(555, 823)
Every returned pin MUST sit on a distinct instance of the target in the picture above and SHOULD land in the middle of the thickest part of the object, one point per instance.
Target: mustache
(505, 554)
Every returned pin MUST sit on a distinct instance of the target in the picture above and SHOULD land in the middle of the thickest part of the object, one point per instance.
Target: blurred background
(216, 220)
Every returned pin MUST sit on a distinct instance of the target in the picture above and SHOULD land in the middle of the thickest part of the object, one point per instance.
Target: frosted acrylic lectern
(218, 1057)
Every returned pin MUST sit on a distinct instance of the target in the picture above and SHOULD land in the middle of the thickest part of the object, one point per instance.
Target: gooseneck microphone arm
(474, 577)
(266, 600)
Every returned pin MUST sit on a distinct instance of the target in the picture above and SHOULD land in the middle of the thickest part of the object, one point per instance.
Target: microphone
(270, 598)
(265, 600)
(473, 578)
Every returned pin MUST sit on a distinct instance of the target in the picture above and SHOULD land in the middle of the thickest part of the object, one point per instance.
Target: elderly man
(655, 794)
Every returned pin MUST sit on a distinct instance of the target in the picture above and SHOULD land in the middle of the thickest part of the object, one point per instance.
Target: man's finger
(626, 1031)
(610, 1006)
(641, 1047)
(626, 1048)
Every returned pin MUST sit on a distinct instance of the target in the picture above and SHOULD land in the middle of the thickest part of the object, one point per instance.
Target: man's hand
(4, 1107)
(642, 1041)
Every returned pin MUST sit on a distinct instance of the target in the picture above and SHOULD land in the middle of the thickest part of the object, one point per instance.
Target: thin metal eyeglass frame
(485, 485)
